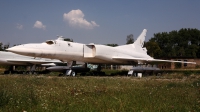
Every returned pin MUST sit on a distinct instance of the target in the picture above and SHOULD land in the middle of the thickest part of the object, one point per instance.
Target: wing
(159, 60)
(150, 60)
(33, 61)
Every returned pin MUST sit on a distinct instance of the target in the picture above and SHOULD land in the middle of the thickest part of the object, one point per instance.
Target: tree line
(184, 43)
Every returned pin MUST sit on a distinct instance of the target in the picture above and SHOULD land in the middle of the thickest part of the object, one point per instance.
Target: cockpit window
(50, 42)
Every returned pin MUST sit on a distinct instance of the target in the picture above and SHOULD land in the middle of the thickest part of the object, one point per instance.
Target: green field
(166, 93)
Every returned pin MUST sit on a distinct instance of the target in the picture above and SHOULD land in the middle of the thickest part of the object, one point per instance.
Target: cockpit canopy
(50, 42)
(60, 38)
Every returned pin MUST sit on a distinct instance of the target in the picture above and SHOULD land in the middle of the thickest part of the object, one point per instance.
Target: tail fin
(138, 44)
(140, 39)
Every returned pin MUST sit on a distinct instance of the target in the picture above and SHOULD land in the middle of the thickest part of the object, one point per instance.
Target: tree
(153, 49)
(129, 39)
(183, 43)
(6, 46)
(1, 46)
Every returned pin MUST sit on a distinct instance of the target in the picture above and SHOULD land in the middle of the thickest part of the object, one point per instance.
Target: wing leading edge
(150, 60)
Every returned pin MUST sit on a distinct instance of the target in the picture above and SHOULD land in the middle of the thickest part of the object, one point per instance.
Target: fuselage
(71, 51)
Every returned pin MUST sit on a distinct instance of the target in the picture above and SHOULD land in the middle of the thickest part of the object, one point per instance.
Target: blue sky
(93, 21)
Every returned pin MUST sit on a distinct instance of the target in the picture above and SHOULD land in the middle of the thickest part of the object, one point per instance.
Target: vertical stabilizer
(138, 44)
(140, 39)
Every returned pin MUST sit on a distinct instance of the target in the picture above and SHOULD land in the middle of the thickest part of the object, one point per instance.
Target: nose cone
(16, 49)
(24, 50)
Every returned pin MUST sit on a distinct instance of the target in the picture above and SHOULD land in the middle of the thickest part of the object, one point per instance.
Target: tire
(73, 74)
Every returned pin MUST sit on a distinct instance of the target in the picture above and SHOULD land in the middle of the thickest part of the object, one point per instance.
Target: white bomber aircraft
(90, 53)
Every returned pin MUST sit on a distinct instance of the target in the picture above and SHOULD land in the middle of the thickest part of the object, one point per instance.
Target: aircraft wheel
(73, 74)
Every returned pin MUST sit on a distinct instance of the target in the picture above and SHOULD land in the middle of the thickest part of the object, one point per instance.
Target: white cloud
(38, 24)
(19, 26)
(75, 18)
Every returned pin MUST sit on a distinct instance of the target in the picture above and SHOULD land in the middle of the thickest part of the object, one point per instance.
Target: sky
(93, 21)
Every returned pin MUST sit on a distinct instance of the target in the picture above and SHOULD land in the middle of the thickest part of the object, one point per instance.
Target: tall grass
(49, 93)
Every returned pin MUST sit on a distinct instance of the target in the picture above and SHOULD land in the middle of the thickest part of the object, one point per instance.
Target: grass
(88, 94)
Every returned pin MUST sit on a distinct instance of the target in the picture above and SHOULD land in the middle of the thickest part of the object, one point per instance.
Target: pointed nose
(18, 50)
(24, 50)
(15, 50)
